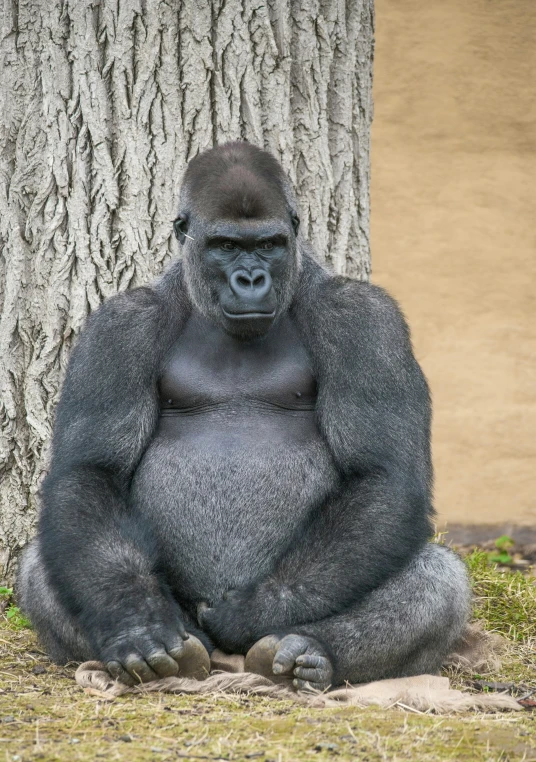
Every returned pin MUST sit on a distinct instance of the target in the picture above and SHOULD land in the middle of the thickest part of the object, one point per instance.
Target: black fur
(332, 541)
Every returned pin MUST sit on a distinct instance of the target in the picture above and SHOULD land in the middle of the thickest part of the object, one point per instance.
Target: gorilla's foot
(194, 660)
(260, 659)
(296, 659)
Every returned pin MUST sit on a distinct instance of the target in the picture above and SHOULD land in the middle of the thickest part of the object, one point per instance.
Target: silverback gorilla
(241, 450)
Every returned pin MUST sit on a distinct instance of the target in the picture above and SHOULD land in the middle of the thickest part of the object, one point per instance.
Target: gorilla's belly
(225, 502)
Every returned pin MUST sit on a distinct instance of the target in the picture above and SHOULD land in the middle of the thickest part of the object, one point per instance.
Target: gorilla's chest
(207, 370)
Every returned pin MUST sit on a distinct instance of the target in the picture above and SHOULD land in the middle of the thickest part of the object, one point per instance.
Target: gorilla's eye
(228, 246)
(266, 246)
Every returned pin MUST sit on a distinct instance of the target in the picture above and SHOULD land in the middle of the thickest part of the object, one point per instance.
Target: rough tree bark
(102, 103)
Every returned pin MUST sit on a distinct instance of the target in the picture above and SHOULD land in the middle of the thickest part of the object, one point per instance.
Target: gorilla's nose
(255, 285)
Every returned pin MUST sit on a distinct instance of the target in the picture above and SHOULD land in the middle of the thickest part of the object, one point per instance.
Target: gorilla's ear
(295, 222)
(180, 226)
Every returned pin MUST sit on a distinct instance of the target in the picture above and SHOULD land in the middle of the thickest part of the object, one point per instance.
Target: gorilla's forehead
(247, 228)
(236, 192)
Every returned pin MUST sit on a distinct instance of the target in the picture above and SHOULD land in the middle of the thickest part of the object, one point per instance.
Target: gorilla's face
(238, 226)
(241, 273)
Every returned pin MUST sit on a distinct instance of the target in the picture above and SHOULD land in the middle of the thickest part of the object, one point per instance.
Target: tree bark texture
(102, 104)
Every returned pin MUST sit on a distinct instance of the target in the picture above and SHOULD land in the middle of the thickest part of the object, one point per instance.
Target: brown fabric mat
(422, 693)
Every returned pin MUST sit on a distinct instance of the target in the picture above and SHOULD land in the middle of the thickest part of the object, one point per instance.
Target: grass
(45, 716)
(12, 613)
(505, 602)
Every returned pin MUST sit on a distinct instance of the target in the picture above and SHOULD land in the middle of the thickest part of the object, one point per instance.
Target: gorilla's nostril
(255, 285)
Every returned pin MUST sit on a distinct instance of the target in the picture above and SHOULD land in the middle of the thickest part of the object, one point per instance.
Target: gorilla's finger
(118, 673)
(162, 664)
(312, 675)
(182, 630)
(139, 669)
(311, 660)
(314, 668)
(284, 660)
(175, 647)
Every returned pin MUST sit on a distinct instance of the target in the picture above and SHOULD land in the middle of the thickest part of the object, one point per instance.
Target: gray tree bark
(102, 103)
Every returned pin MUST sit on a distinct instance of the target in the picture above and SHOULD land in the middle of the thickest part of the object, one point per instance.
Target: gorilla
(241, 460)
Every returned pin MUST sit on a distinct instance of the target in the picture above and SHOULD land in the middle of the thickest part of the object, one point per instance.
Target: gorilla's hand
(245, 616)
(141, 651)
(232, 623)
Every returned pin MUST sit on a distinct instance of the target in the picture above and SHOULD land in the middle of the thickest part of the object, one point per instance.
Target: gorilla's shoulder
(123, 342)
(126, 322)
(143, 309)
(353, 311)
(142, 300)
(359, 297)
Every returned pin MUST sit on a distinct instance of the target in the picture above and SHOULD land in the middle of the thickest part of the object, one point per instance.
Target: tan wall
(454, 235)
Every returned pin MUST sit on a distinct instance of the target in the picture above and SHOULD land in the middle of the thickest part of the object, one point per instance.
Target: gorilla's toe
(312, 671)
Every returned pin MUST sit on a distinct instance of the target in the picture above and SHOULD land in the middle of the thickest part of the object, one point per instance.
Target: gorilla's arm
(97, 558)
(374, 412)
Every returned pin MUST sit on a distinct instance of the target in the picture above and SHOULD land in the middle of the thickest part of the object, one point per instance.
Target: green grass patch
(13, 615)
(504, 601)
(501, 553)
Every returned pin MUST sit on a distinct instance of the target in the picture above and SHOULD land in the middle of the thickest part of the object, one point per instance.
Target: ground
(45, 716)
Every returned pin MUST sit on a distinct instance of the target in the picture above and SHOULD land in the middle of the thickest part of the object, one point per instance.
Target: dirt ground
(454, 235)
(45, 716)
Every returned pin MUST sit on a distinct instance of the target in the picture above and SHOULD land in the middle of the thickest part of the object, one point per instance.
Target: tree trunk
(102, 103)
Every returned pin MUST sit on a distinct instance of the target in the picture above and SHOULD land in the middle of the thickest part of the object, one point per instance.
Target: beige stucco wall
(454, 235)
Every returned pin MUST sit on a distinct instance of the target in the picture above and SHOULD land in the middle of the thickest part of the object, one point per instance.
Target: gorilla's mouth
(247, 315)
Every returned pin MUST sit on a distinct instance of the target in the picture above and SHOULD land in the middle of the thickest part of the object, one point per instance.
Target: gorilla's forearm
(374, 525)
(356, 541)
(97, 558)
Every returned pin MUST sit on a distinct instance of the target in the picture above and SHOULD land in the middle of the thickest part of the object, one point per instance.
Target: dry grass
(45, 716)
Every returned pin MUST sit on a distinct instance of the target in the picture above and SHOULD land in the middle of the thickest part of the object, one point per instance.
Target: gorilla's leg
(408, 626)
(62, 638)
(57, 630)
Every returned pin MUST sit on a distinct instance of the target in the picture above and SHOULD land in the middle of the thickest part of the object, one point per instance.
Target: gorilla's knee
(55, 628)
(446, 592)
(28, 579)
(444, 567)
